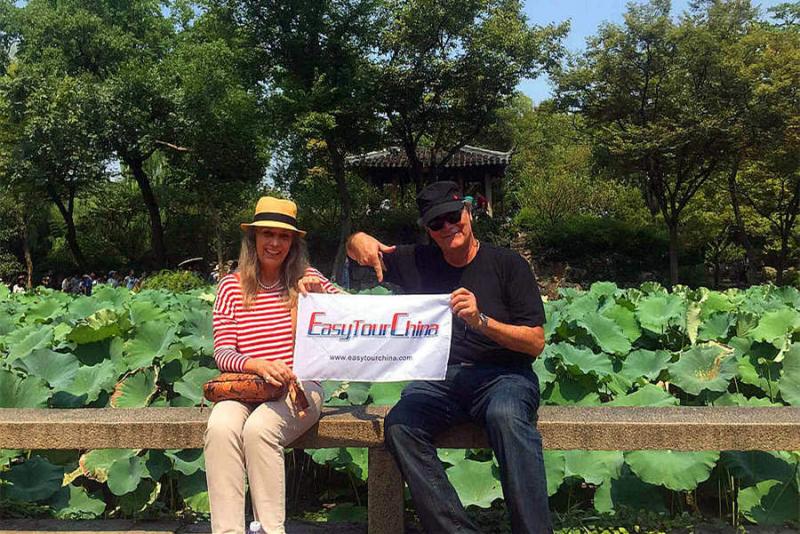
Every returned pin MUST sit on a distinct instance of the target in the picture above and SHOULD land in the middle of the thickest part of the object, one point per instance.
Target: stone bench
(562, 427)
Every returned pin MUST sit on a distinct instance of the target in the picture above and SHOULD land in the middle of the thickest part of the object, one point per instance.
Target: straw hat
(275, 213)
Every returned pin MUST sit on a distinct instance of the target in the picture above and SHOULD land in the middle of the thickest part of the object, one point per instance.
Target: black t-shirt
(503, 284)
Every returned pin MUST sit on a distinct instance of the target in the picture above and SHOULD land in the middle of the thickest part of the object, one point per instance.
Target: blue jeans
(501, 399)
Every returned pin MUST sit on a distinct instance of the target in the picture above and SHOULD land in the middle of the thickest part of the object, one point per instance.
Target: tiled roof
(394, 156)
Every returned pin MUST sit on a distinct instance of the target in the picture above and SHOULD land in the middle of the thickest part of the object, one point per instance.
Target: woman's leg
(224, 452)
(271, 427)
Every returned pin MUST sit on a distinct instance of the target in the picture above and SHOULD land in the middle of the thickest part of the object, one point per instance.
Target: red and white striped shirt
(262, 331)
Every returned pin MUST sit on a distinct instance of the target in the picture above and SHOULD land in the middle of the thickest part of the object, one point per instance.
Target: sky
(585, 16)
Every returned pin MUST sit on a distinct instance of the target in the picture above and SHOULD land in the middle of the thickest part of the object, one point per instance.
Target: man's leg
(424, 410)
(506, 403)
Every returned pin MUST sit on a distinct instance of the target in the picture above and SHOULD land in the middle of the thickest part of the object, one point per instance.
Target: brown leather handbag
(250, 388)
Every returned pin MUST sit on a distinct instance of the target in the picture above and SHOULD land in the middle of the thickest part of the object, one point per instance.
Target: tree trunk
(673, 253)
(345, 204)
(156, 229)
(741, 232)
(218, 242)
(72, 235)
(784, 252)
(26, 250)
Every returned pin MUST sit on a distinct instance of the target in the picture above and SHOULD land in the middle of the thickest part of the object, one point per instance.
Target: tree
(56, 150)
(116, 48)
(659, 102)
(448, 66)
(765, 169)
(222, 134)
(315, 63)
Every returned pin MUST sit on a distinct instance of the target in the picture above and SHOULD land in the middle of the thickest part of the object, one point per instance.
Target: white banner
(372, 338)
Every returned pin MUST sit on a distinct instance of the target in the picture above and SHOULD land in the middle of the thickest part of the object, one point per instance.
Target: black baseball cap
(438, 198)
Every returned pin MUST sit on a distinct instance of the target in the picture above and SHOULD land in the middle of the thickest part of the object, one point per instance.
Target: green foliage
(606, 346)
(174, 281)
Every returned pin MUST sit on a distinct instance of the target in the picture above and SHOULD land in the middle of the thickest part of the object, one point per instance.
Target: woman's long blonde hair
(292, 270)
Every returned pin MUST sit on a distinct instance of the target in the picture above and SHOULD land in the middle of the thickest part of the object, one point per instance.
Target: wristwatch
(483, 320)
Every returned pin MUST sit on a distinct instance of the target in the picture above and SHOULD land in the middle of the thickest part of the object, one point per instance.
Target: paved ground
(31, 526)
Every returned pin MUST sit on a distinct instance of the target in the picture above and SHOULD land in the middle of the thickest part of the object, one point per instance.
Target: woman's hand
(310, 283)
(273, 372)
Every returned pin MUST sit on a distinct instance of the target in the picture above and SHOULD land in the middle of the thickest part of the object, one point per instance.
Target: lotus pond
(644, 346)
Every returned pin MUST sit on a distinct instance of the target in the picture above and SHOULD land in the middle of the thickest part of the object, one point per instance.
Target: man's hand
(465, 305)
(368, 251)
(273, 372)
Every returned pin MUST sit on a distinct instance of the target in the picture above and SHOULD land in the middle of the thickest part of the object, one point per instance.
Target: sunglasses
(453, 217)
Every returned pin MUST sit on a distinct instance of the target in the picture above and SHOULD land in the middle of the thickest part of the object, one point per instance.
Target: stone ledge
(562, 427)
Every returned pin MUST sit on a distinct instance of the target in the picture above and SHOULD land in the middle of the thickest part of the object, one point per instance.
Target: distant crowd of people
(77, 284)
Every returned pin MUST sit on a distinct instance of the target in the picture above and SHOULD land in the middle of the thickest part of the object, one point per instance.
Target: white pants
(250, 438)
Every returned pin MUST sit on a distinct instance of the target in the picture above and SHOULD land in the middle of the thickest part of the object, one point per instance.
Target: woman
(253, 333)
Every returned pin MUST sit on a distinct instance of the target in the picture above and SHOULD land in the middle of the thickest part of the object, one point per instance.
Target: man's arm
(519, 338)
(368, 251)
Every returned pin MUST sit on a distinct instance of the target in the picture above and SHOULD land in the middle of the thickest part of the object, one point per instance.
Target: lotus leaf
(771, 502)
(603, 289)
(141, 498)
(16, 392)
(475, 483)
(200, 335)
(102, 324)
(774, 326)
(89, 382)
(95, 464)
(789, 383)
(606, 333)
(157, 463)
(135, 390)
(715, 302)
(567, 391)
(645, 363)
(151, 342)
(628, 491)
(25, 340)
(33, 480)
(191, 385)
(752, 467)
(593, 466)
(737, 399)
(45, 310)
(544, 367)
(625, 319)
(74, 502)
(659, 312)
(704, 367)
(83, 307)
(583, 305)
(675, 470)
(194, 491)
(143, 311)
(125, 474)
(716, 327)
(386, 393)
(764, 375)
(55, 368)
(583, 361)
(555, 466)
(189, 461)
(647, 395)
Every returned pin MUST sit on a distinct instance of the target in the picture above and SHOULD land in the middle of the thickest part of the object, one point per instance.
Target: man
(497, 331)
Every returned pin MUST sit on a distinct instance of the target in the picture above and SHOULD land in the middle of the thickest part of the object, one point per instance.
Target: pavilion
(477, 170)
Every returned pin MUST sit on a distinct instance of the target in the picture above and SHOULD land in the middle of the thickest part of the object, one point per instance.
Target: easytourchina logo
(400, 326)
